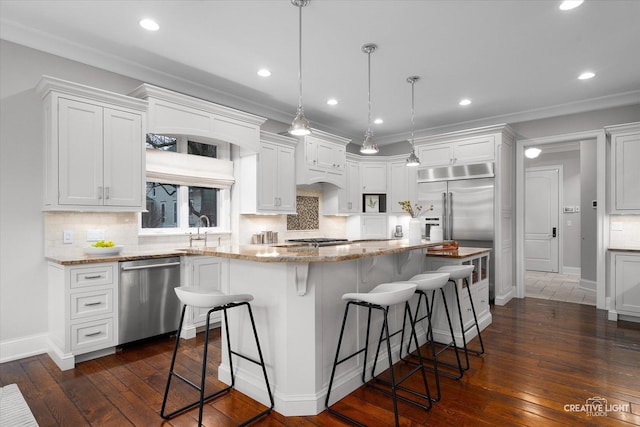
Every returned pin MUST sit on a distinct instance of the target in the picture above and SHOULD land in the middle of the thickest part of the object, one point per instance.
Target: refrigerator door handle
(445, 216)
(449, 233)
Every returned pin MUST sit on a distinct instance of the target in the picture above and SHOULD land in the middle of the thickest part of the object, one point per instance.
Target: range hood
(456, 172)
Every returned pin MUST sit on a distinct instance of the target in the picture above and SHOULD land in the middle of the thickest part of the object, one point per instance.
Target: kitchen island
(298, 309)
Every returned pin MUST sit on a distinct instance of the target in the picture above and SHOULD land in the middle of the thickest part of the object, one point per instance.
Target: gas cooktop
(320, 241)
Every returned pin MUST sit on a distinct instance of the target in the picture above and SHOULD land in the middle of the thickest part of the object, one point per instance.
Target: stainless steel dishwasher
(148, 304)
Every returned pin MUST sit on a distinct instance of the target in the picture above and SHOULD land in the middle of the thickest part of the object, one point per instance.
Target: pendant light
(412, 160)
(368, 146)
(300, 125)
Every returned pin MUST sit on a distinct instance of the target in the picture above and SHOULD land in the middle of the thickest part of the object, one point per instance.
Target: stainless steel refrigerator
(462, 197)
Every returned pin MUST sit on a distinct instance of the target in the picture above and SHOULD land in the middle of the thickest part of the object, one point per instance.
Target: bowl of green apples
(103, 247)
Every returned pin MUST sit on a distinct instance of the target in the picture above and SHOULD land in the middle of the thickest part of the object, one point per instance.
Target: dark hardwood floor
(541, 356)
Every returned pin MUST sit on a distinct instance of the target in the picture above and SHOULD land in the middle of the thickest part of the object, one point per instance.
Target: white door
(541, 219)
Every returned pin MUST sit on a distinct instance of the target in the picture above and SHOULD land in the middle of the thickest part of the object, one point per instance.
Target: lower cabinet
(625, 286)
(83, 311)
(479, 283)
(368, 226)
(201, 272)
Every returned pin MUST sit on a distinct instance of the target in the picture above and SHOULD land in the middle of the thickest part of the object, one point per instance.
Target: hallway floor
(557, 287)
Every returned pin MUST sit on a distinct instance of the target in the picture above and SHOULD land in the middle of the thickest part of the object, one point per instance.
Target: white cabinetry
(402, 185)
(463, 151)
(344, 200)
(373, 177)
(83, 311)
(625, 284)
(479, 283)
(368, 226)
(94, 148)
(625, 173)
(321, 157)
(201, 271)
(268, 177)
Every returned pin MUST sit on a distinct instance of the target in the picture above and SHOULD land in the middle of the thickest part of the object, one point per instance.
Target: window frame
(223, 152)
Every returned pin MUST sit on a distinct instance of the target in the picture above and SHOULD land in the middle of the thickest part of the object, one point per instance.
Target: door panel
(541, 218)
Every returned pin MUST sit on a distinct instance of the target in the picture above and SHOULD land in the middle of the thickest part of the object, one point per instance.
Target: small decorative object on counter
(415, 224)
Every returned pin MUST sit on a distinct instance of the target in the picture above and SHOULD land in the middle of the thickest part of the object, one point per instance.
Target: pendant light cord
(300, 55)
(369, 90)
(413, 125)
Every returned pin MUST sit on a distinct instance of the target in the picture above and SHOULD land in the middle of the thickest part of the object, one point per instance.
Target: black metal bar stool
(380, 298)
(432, 282)
(456, 273)
(215, 301)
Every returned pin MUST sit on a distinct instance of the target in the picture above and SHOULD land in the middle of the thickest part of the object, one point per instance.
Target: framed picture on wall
(372, 203)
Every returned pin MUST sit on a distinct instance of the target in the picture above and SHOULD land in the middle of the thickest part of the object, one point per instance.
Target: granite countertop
(305, 254)
(625, 249)
(125, 255)
(461, 252)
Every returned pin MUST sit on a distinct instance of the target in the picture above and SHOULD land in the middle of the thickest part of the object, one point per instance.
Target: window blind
(186, 169)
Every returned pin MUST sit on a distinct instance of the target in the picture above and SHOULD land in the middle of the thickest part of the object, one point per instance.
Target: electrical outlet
(95, 235)
(569, 209)
(67, 236)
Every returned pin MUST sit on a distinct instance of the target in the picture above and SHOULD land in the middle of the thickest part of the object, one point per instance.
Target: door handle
(554, 232)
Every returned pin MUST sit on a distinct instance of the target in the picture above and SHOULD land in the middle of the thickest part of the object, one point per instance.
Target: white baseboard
(504, 298)
(23, 347)
(571, 270)
(587, 285)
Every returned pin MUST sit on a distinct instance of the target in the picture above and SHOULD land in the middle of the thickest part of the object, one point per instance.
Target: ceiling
(516, 60)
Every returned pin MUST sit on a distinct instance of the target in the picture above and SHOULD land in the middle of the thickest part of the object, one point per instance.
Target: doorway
(597, 232)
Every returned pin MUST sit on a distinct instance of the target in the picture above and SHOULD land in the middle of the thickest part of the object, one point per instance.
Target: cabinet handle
(349, 205)
(89, 304)
(100, 193)
(92, 334)
(95, 276)
(106, 192)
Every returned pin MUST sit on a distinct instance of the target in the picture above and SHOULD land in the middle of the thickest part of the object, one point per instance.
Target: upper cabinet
(346, 200)
(94, 148)
(462, 151)
(267, 178)
(320, 158)
(373, 176)
(402, 184)
(625, 173)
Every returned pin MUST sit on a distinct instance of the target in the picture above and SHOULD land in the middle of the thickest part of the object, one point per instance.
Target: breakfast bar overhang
(298, 309)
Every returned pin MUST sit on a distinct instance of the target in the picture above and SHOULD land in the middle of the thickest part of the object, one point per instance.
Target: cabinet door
(326, 155)
(207, 272)
(626, 150)
(286, 179)
(473, 150)
(267, 171)
(435, 155)
(374, 177)
(402, 185)
(123, 167)
(627, 284)
(80, 157)
(353, 193)
(374, 227)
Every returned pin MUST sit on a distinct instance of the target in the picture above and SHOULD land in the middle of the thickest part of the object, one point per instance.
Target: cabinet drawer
(91, 303)
(91, 276)
(93, 335)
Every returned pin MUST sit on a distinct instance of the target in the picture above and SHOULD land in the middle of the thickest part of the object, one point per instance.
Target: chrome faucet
(201, 219)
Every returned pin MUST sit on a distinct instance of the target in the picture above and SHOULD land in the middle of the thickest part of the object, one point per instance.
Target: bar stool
(380, 298)
(432, 282)
(214, 300)
(457, 272)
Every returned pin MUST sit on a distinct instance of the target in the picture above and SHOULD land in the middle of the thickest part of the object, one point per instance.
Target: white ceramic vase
(415, 231)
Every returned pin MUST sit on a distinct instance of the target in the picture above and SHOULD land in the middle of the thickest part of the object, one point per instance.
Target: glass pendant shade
(368, 146)
(413, 160)
(300, 125)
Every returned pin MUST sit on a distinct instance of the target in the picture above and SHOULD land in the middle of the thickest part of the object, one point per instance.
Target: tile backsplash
(624, 232)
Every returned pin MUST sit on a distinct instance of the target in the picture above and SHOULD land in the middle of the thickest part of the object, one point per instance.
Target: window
(178, 197)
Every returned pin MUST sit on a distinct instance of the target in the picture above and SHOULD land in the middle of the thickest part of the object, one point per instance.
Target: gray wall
(588, 217)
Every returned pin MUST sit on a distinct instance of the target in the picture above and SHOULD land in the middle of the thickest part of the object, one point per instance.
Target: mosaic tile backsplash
(308, 218)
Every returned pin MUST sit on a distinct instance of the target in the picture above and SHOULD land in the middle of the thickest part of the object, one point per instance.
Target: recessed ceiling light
(586, 75)
(332, 101)
(263, 72)
(464, 102)
(378, 121)
(570, 4)
(149, 25)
